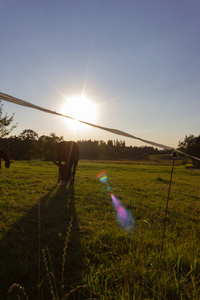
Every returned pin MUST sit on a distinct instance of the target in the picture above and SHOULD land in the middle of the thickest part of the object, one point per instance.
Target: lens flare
(102, 176)
(123, 215)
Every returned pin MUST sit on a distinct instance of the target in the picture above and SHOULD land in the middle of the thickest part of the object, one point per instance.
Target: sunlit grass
(101, 261)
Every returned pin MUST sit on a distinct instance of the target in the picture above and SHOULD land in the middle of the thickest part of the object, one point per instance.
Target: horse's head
(64, 172)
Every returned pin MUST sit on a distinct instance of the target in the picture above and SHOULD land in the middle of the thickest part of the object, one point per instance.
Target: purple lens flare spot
(123, 215)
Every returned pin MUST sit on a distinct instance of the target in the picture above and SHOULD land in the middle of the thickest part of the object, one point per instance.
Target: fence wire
(17, 101)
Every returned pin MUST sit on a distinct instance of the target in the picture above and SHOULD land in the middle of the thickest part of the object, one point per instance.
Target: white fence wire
(17, 101)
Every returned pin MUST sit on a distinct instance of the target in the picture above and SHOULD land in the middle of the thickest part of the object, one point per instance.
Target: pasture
(65, 243)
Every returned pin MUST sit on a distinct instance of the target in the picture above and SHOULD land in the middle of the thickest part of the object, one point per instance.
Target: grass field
(65, 243)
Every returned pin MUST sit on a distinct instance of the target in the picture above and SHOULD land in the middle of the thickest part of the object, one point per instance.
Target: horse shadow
(34, 246)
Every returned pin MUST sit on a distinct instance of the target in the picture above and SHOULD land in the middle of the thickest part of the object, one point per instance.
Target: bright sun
(80, 108)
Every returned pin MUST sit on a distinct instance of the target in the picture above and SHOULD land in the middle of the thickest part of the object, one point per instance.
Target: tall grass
(91, 257)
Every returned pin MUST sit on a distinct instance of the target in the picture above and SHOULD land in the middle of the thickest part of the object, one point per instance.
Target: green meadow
(65, 243)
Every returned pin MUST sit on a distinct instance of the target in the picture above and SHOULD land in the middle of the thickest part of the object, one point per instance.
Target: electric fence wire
(17, 101)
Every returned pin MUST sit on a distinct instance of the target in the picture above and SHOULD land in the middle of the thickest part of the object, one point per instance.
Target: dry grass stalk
(48, 273)
(64, 252)
(19, 287)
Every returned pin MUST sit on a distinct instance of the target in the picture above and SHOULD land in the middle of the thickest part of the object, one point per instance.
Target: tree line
(28, 145)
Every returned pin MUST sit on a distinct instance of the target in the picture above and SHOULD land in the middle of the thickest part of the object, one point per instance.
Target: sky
(138, 62)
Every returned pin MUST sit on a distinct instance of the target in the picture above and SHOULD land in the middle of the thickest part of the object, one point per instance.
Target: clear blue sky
(138, 61)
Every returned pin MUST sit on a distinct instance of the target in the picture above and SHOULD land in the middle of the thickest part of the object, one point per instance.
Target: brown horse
(67, 152)
(5, 158)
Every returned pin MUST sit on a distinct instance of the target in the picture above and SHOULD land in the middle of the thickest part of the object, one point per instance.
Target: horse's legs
(59, 175)
(73, 174)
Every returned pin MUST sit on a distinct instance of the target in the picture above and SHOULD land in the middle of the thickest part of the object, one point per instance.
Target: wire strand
(17, 101)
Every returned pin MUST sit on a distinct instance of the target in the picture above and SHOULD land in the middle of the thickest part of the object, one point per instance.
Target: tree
(5, 122)
(47, 146)
(191, 146)
(28, 134)
(28, 140)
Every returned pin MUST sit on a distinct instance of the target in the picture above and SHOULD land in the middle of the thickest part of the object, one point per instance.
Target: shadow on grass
(20, 259)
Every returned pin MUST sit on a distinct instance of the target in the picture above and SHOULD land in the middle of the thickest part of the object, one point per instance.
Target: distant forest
(28, 145)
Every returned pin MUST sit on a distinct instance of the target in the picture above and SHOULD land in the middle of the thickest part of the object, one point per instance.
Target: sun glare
(80, 108)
